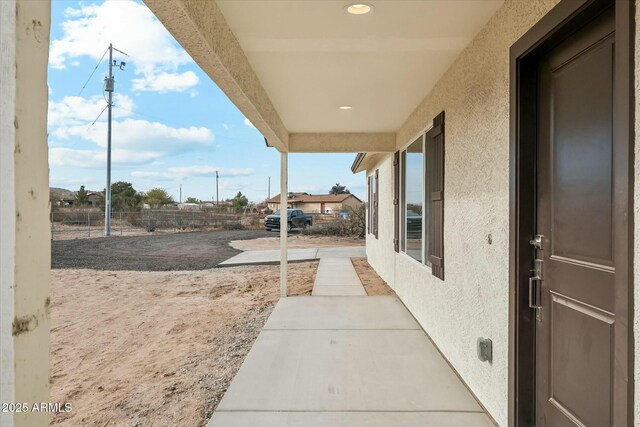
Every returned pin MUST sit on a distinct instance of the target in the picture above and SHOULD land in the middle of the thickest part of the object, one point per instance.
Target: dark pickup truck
(296, 219)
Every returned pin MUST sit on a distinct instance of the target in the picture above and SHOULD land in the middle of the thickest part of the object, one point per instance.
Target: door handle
(534, 289)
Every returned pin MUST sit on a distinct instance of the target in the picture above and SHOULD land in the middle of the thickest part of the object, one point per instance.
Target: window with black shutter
(375, 203)
(419, 198)
(435, 192)
(396, 201)
(369, 205)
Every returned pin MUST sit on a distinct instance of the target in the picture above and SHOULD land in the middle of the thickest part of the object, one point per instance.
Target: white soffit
(312, 57)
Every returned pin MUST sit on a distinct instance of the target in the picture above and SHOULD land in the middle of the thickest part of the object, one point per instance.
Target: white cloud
(76, 110)
(247, 122)
(209, 171)
(96, 159)
(132, 28)
(156, 176)
(182, 172)
(232, 185)
(166, 82)
(143, 135)
(134, 141)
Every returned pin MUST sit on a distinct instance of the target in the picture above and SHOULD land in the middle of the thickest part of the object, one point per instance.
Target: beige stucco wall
(379, 250)
(24, 192)
(473, 301)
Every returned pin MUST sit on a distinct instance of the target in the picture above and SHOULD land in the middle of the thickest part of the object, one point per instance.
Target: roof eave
(357, 162)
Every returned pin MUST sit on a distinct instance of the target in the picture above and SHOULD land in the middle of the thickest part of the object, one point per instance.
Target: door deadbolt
(537, 240)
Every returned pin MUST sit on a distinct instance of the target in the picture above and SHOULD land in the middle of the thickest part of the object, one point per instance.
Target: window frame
(372, 197)
(422, 135)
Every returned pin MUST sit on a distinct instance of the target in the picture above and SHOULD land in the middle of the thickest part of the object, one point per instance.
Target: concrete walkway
(336, 276)
(273, 256)
(341, 358)
(328, 361)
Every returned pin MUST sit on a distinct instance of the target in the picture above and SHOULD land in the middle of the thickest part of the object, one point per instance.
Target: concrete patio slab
(307, 254)
(342, 252)
(270, 257)
(336, 272)
(380, 312)
(351, 419)
(346, 370)
(352, 360)
(345, 361)
(340, 290)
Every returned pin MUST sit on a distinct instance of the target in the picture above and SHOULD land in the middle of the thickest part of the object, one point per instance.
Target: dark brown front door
(575, 205)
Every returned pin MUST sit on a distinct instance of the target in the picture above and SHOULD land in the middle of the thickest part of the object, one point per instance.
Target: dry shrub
(354, 226)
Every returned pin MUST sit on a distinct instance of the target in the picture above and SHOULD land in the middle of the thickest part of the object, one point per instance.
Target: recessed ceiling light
(345, 107)
(359, 8)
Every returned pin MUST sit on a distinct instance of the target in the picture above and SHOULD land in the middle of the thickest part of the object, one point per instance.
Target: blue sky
(171, 126)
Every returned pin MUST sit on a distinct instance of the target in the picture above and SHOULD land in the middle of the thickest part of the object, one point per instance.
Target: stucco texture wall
(473, 301)
(378, 250)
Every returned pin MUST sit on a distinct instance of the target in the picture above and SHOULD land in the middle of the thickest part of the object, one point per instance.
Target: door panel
(581, 91)
(574, 330)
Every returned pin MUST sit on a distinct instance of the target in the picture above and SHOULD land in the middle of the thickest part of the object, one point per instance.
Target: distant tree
(82, 196)
(124, 197)
(158, 197)
(240, 201)
(192, 200)
(339, 189)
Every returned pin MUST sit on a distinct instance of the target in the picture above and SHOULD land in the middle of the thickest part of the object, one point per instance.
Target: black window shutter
(375, 204)
(435, 195)
(369, 204)
(396, 201)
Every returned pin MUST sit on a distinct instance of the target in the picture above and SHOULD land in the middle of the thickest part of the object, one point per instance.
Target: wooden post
(283, 223)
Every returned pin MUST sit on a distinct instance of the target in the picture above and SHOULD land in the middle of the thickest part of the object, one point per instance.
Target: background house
(94, 199)
(317, 203)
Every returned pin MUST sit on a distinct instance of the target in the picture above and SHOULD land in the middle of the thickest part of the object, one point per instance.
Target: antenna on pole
(109, 87)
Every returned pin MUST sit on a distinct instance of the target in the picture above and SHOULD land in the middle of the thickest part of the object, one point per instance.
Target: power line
(93, 72)
(94, 122)
(118, 50)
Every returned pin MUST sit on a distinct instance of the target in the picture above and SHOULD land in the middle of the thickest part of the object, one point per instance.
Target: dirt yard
(373, 284)
(156, 348)
(72, 232)
(180, 251)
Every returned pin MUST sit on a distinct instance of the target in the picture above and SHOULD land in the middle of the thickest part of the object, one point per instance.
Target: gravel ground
(180, 251)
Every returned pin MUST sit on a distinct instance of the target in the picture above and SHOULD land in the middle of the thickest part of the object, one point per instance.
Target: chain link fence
(74, 224)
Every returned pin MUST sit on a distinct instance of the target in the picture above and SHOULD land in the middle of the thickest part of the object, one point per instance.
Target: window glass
(413, 192)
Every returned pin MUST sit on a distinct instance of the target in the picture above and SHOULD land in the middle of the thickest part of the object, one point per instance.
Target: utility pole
(217, 200)
(269, 192)
(109, 86)
(180, 193)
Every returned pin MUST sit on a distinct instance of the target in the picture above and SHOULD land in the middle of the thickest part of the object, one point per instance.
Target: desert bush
(354, 226)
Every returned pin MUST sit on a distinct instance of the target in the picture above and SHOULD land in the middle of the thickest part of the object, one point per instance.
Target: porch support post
(25, 246)
(283, 222)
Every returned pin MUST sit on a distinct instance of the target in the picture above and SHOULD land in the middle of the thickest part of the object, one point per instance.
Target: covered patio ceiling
(289, 65)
